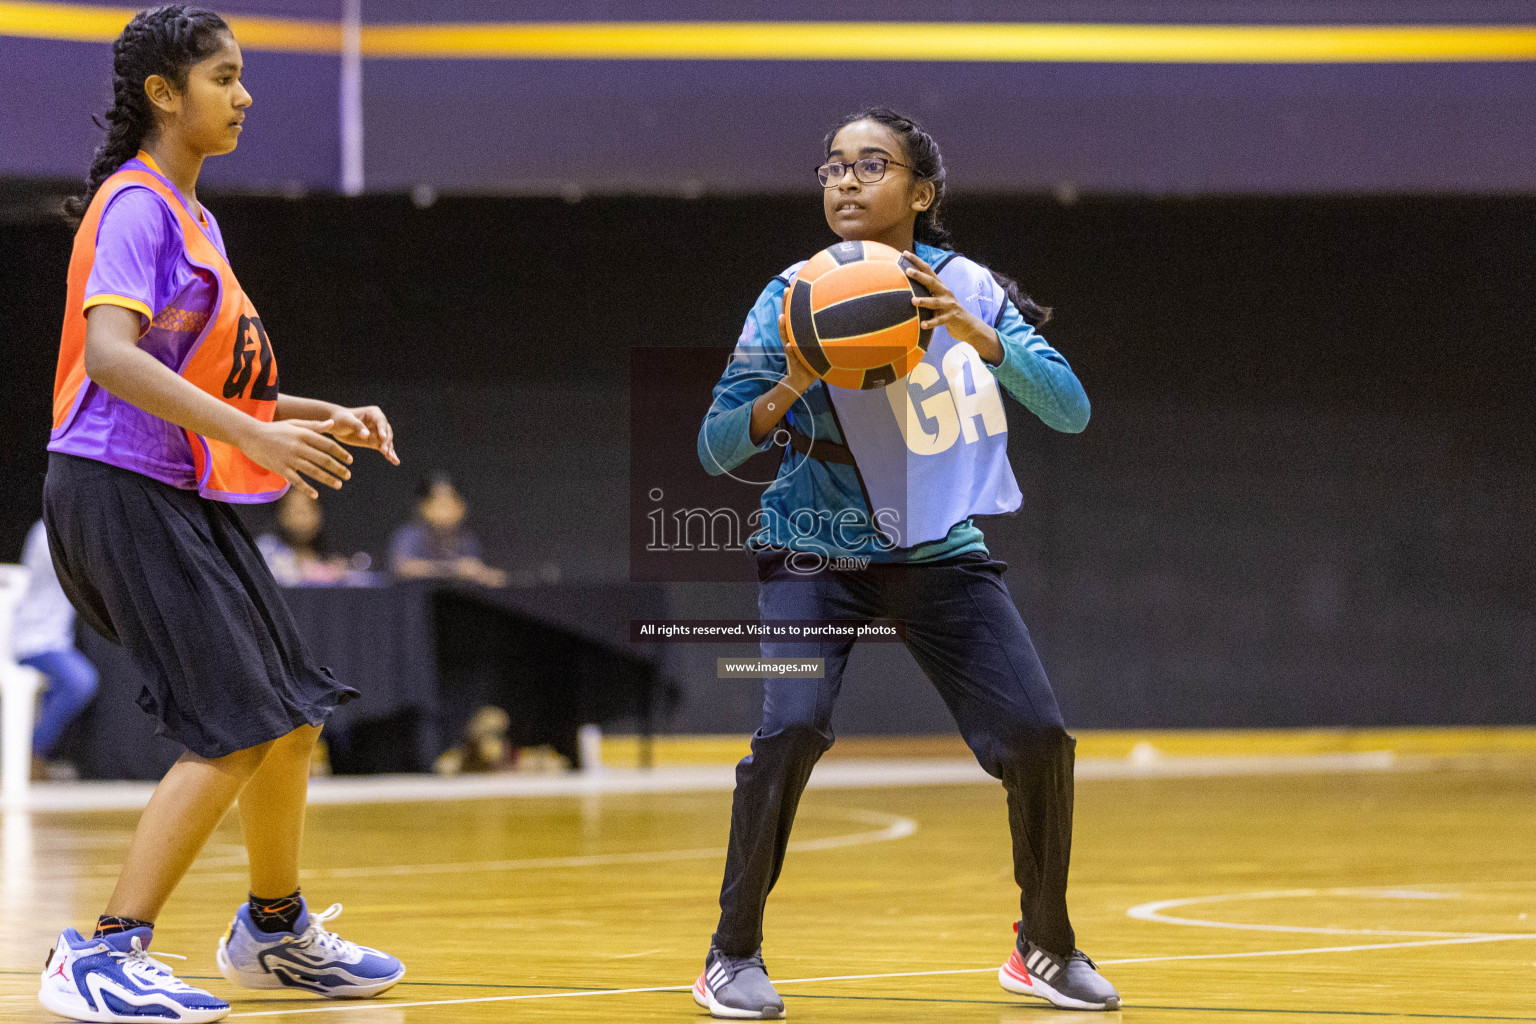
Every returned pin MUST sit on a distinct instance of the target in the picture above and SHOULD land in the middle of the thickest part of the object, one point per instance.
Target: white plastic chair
(18, 698)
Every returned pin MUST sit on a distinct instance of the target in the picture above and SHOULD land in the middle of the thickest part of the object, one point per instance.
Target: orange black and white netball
(851, 318)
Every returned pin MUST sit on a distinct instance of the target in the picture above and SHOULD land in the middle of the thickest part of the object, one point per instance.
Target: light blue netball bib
(932, 448)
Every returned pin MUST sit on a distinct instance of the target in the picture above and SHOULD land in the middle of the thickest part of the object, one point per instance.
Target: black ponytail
(928, 165)
(163, 41)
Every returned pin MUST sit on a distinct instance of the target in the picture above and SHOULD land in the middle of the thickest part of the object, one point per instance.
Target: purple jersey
(141, 264)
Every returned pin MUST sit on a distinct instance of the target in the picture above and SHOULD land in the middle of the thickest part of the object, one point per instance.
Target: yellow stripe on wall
(291, 35)
(949, 41)
(87, 23)
(72, 22)
(837, 41)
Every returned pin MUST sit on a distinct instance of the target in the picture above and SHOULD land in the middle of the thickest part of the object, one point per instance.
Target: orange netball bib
(231, 359)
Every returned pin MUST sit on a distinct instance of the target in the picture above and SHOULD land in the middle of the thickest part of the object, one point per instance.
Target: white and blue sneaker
(114, 978)
(309, 958)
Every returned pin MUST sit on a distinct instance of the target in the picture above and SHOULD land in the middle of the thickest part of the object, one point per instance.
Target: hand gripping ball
(851, 318)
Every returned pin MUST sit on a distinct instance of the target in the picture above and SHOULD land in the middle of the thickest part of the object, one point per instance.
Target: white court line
(893, 827)
(332, 1007)
(1154, 911)
(1463, 940)
(1189, 956)
(849, 774)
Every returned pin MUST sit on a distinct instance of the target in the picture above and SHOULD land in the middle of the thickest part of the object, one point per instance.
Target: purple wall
(675, 126)
(50, 90)
(662, 126)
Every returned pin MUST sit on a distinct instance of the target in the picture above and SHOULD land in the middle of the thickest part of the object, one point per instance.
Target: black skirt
(177, 580)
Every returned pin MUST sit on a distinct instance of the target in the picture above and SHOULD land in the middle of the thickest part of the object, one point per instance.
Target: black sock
(107, 925)
(276, 915)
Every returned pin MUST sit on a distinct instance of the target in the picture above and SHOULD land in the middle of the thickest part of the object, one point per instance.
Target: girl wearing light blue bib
(870, 517)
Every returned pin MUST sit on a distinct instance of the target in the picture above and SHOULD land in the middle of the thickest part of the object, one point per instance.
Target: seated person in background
(296, 553)
(43, 637)
(437, 545)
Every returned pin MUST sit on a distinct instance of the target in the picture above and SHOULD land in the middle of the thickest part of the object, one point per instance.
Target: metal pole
(351, 96)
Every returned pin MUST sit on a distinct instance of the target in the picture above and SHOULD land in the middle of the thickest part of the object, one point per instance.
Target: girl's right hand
(799, 376)
(293, 447)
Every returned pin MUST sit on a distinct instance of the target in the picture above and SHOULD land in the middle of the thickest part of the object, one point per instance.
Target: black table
(425, 657)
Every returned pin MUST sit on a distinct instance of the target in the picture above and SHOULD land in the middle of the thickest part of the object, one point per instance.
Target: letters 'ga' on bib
(231, 359)
(933, 446)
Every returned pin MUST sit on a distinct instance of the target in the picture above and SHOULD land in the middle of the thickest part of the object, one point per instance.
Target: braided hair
(163, 41)
(928, 165)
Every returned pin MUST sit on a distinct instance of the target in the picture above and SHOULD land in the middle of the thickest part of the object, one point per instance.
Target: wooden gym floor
(1397, 893)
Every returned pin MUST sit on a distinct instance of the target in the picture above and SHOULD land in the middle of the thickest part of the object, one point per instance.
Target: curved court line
(1460, 941)
(234, 859)
(891, 827)
(332, 1007)
(1154, 912)
(1187, 956)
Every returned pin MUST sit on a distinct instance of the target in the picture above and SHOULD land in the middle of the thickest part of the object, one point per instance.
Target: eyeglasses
(869, 170)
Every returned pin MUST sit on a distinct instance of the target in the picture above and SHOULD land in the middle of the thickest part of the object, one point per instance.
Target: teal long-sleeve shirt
(808, 495)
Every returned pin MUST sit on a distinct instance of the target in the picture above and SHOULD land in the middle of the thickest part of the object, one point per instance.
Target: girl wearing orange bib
(230, 357)
(167, 413)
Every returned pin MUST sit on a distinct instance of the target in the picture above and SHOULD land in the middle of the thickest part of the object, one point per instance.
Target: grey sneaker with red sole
(1071, 982)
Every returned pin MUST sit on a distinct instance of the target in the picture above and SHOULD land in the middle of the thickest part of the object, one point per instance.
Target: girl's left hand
(945, 308)
(365, 427)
